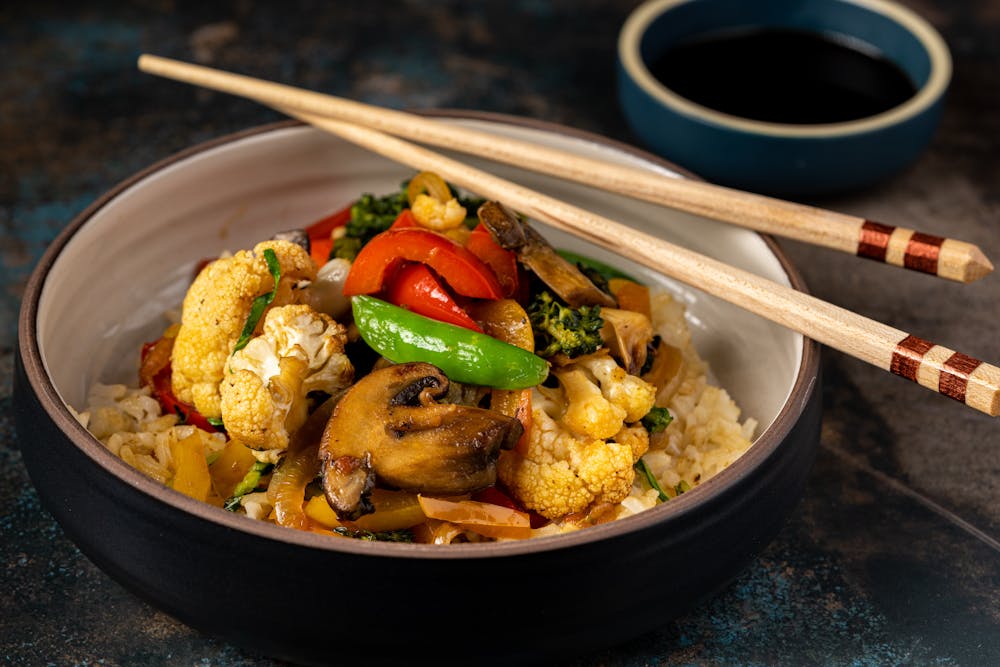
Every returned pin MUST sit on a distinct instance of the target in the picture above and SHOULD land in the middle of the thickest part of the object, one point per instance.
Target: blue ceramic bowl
(777, 158)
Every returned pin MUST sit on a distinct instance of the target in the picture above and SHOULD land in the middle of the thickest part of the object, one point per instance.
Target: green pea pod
(463, 355)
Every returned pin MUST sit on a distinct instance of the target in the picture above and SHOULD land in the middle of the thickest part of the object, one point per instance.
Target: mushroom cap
(390, 425)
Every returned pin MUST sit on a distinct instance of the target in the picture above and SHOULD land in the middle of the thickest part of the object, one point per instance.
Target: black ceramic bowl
(100, 291)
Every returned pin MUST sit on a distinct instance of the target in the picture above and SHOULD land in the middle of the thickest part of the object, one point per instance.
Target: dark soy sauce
(784, 76)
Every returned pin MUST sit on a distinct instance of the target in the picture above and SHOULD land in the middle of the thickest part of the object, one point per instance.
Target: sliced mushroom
(534, 252)
(627, 335)
(389, 429)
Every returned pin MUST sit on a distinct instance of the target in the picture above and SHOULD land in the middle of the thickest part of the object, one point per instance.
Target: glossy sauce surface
(784, 76)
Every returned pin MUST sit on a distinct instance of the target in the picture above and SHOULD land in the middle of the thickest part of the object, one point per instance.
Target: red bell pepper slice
(502, 262)
(464, 272)
(415, 288)
(319, 232)
(405, 220)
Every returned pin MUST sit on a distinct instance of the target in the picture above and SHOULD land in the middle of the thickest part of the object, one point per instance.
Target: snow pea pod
(465, 356)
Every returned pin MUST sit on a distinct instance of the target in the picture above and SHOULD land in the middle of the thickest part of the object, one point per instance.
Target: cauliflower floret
(587, 411)
(629, 393)
(437, 215)
(636, 437)
(215, 310)
(263, 395)
(583, 440)
(317, 339)
(599, 396)
(559, 473)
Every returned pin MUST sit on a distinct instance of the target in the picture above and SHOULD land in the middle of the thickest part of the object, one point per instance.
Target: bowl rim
(638, 22)
(48, 397)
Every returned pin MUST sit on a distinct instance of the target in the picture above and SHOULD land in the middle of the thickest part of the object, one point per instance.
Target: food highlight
(422, 367)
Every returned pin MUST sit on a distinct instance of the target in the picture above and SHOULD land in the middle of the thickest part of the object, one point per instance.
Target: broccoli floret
(370, 215)
(657, 419)
(559, 328)
(381, 536)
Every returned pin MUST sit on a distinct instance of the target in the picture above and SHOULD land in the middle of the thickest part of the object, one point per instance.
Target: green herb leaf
(261, 303)
(657, 419)
(215, 421)
(681, 487)
(653, 482)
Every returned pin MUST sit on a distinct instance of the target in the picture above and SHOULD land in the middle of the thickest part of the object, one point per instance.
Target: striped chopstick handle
(900, 246)
(956, 375)
(927, 253)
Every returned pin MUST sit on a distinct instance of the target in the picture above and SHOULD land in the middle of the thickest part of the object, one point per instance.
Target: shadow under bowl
(314, 599)
(779, 158)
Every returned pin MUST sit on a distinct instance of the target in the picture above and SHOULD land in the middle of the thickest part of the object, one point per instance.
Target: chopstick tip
(979, 265)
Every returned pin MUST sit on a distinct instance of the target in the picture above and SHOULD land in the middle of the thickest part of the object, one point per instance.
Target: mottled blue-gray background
(893, 555)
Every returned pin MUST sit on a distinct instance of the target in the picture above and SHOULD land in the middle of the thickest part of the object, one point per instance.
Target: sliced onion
(287, 490)
(483, 518)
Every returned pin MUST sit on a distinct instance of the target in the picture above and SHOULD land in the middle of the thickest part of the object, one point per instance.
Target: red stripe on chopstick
(953, 381)
(955, 376)
(922, 252)
(908, 356)
(873, 240)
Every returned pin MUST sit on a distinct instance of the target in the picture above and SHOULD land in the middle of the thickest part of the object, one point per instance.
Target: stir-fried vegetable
(534, 252)
(320, 234)
(191, 468)
(370, 216)
(261, 303)
(657, 420)
(230, 467)
(561, 329)
(661, 495)
(248, 484)
(394, 510)
(483, 518)
(463, 355)
(462, 270)
(502, 262)
(154, 372)
(415, 288)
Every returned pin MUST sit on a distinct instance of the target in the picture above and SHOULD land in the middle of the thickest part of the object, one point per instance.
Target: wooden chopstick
(968, 380)
(898, 246)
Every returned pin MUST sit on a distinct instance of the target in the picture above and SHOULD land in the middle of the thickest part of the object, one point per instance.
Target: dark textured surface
(893, 556)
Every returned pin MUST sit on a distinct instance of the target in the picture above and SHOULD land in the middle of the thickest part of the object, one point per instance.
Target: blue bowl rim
(635, 26)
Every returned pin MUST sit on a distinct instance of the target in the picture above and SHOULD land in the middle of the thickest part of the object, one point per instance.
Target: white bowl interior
(131, 262)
